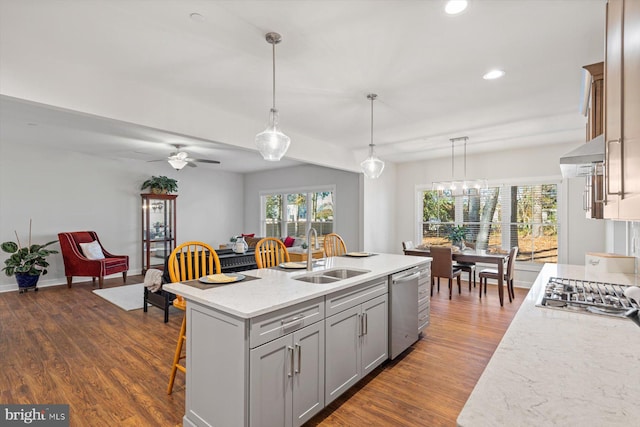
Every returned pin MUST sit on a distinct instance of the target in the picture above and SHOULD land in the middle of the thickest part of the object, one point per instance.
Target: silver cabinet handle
(598, 190)
(606, 176)
(366, 324)
(290, 350)
(286, 323)
(361, 326)
(299, 348)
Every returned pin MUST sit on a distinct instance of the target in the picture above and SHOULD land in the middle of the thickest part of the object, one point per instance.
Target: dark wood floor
(111, 366)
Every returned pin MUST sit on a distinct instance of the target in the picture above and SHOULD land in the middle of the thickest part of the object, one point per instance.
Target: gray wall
(347, 197)
(66, 191)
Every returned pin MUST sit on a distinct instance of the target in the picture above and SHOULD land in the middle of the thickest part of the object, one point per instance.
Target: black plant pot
(27, 281)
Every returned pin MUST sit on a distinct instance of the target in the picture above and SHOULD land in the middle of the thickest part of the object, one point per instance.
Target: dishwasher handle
(406, 278)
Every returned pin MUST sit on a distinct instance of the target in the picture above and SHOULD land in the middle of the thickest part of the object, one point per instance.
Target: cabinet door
(308, 368)
(630, 200)
(613, 108)
(374, 339)
(342, 355)
(271, 383)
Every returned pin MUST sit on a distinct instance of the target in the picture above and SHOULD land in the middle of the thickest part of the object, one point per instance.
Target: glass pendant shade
(372, 166)
(272, 143)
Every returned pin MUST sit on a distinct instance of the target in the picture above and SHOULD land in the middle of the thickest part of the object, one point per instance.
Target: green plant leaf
(9, 247)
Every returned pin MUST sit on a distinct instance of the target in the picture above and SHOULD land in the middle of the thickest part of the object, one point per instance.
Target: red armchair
(76, 264)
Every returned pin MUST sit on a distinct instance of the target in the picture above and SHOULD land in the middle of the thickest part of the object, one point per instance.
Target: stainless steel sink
(317, 279)
(344, 273)
(330, 276)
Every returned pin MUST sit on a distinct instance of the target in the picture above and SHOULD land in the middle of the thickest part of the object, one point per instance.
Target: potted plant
(456, 235)
(27, 263)
(160, 185)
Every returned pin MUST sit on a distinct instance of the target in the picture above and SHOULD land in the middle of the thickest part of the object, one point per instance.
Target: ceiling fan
(179, 159)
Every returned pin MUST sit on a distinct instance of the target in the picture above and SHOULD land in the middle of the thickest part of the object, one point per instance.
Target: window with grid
(293, 213)
(496, 219)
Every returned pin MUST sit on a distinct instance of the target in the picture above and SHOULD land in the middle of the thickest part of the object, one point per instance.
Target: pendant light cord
(371, 144)
(273, 45)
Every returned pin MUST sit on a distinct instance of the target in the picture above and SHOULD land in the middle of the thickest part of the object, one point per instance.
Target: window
(496, 219)
(292, 213)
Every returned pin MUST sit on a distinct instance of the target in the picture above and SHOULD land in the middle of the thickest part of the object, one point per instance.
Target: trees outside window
(292, 213)
(497, 218)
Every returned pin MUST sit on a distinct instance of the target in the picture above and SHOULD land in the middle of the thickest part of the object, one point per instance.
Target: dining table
(469, 255)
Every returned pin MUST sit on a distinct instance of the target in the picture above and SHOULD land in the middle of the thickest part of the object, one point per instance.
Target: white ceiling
(425, 66)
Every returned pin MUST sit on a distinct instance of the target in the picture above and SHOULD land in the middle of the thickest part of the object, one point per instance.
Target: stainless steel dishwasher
(403, 310)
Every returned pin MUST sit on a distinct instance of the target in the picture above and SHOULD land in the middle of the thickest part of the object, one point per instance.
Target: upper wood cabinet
(595, 117)
(622, 109)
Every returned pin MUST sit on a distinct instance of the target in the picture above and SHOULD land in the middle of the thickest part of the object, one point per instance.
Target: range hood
(579, 162)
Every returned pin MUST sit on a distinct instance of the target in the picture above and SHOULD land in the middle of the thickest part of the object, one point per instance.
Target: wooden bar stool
(189, 261)
(181, 304)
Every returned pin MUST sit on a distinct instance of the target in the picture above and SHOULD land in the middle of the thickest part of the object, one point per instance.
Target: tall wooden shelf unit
(158, 229)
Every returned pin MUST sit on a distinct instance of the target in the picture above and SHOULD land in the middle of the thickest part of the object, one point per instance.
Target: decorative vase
(26, 281)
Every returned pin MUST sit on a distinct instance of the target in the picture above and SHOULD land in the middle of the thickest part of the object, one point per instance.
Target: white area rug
(128, 297)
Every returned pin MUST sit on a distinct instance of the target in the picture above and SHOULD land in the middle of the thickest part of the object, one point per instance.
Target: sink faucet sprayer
(309, 252)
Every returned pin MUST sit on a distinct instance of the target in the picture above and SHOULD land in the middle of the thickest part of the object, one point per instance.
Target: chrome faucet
(309, 251)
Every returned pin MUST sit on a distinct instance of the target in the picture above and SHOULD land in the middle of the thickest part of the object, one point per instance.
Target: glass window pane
(322, 212)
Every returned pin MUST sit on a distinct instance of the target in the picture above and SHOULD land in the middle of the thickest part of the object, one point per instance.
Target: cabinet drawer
(270, 326)
(423, 293)
(423, 315)
(347, 298)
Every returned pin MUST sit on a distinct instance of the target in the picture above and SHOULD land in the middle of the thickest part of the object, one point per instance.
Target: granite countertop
(277, 288)
(556, 367)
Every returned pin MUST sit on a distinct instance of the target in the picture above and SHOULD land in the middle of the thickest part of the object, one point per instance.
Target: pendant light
(372, 166)
(271, 142)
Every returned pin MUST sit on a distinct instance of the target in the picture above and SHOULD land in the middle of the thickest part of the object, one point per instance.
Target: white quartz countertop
(562, 368)
(276, 288)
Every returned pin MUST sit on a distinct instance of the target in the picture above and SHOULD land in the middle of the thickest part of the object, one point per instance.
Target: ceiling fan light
(177, 163)
(272, 143)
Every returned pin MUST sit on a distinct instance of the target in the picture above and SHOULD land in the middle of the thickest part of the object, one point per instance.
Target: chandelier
(462, 187)
(372, 166)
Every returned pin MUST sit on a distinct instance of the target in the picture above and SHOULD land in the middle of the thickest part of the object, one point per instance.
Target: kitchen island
(558, 367)
(257, 349)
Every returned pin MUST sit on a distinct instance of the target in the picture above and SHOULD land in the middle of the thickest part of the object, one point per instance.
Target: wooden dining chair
(188, 261)
(442, 266)
(271, 252)
(492, 273)
(334, 245)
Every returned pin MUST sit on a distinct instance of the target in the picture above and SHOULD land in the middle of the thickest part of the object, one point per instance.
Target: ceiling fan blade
(159, 160)
(206, 161)
(191, 164)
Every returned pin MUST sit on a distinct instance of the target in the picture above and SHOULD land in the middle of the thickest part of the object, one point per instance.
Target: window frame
(547, 180)
(308, 191)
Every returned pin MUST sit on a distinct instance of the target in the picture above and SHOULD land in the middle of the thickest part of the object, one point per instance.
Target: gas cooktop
(587, 296)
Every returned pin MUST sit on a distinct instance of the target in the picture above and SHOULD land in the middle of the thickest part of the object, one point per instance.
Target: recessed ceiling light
(453, 7)
(493, 74)
(196, 17)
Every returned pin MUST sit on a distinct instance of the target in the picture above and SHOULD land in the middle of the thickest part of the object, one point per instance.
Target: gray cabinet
(356, 336)
(287, 378)
(424, 299)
